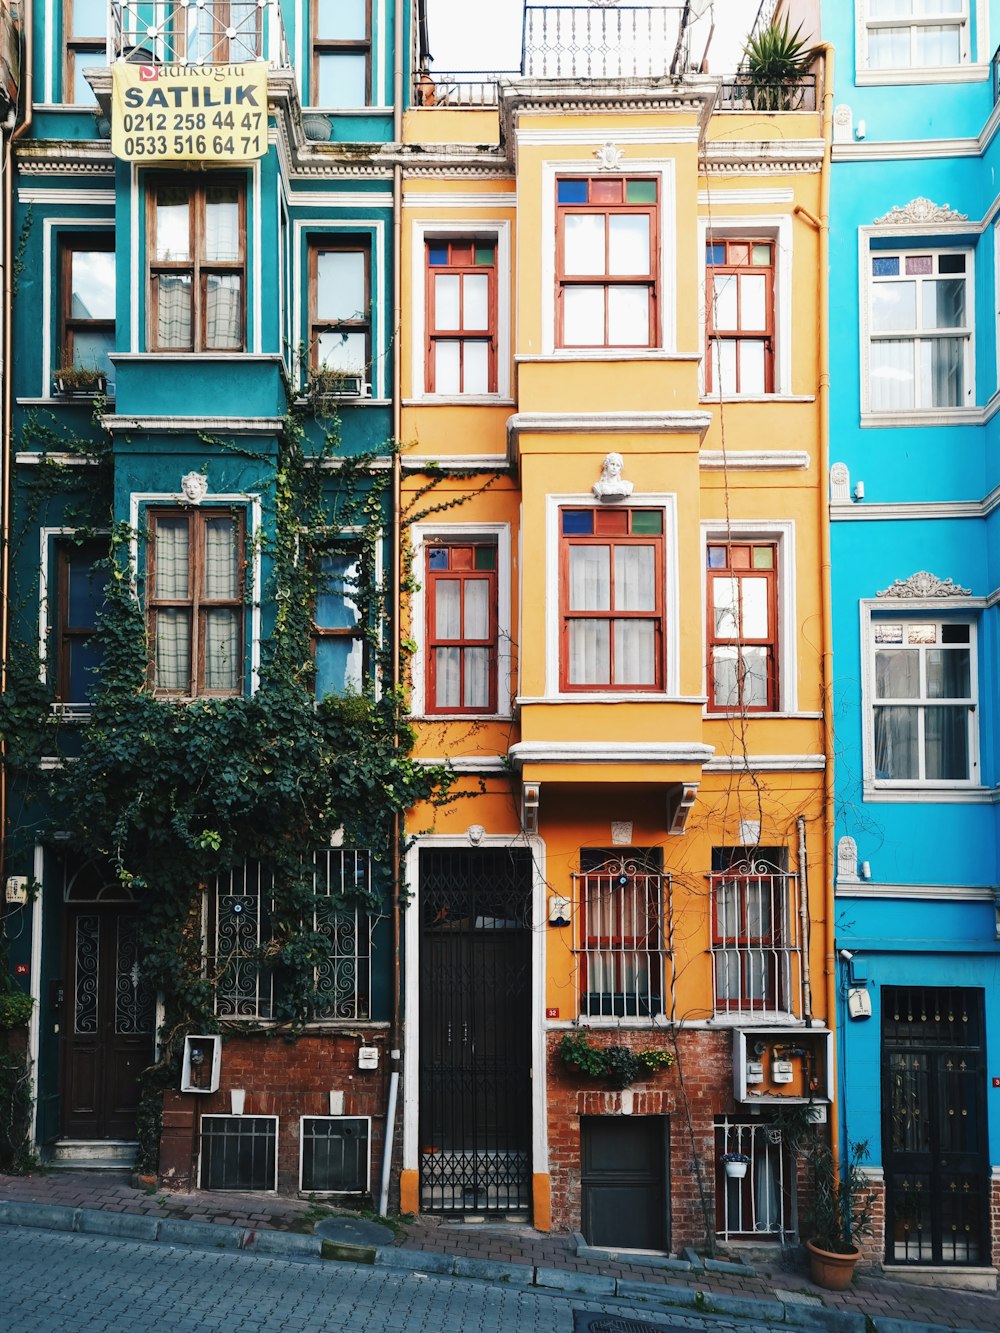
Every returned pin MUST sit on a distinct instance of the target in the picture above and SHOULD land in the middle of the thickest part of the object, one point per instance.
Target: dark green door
(624, 1162)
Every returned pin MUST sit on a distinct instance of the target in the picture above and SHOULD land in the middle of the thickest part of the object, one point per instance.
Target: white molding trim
(753, 460)
(463, 763)
(923, 892)
(334, 199)
(896, 511)
(724, 198)
(667, 501)
(411, 1050)
(248, 500)
(612, 697)
(29, 458)
(902, 149)
(653, 134)
(777, 227)
(783, 533)
(610, 752)
(930, 795)
(425, 230)
(610, 423)
(493, 199)
(421, 534)
(917, 76)
(186, 425)
(765, 763)
(663, 169)
(454, 462)
(94, 198)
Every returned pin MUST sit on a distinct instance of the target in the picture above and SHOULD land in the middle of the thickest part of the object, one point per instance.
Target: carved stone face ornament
(194, 487)
(612, 485)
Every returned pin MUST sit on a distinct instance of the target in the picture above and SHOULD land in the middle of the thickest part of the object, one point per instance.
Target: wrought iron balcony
(468, 88)
(740, 92)
(624, 42)
(197, 32)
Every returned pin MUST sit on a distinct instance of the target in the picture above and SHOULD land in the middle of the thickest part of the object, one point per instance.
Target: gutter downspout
(826, 671)
(805, 932)
(396, 1029)
(6, 447)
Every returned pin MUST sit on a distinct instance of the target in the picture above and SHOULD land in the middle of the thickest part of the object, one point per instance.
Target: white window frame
(671, 600)
(140, 501)
(913, 416)
(666, 261)
(778, 229)
(249, 1115)
(782, 534)
(904, 611)
(478, 229)
(423, 535)
(973, 61)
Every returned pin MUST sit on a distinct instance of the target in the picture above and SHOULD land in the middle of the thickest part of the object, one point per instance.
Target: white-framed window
(914, 34)
(746, 314)
(751, 648)
(445, 254)
(920, 323)
(922, 688)
(611, 627)
(462, 620)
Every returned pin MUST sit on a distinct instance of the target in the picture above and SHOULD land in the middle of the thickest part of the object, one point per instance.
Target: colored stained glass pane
(437, 557)
(951, 263)
(486, 557)
(763, 557)
(885, 266)
(919, 263)
(606, 191)
(647, 522)
(760, 254)
(739, 254)
(640, 192)
(485, 254)
(716, 557)
(437, 254)
(715, 254)
(572, 192)
(577, 522)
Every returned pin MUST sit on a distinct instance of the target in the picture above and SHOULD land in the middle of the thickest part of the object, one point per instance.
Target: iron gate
(475, 1029)
(933, 1103)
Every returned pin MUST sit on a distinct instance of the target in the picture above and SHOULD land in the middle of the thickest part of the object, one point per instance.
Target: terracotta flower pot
(829, 1269)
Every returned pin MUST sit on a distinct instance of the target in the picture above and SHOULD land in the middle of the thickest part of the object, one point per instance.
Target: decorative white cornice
(920, 212)
(30, 458)
(766, 763)
(963, 893)
(923, 584)
(762, 157)
(186, 425)
(901, 149)
(723, 198)
(454, 463)
(753, 460)
(609, 423)
(468, 763)
(609, 752)
(84, 197)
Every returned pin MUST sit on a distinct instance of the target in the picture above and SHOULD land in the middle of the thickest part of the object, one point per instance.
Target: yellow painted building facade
(618, 625)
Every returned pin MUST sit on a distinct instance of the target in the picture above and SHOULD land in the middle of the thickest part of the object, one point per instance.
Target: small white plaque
(621, 833)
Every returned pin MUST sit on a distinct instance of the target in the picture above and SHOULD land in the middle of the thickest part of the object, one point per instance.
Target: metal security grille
(335, 1154)
(475, 1024)
(238, 1152)
(934, 1125)
(240, 908)
(757, 1204)
(619, 925)
(212, 32)
(343, 978)
(756, 940)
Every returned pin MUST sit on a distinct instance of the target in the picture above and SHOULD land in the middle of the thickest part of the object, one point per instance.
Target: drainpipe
(804, 933)
(395, 1037)
(7, 454)
(823, 403)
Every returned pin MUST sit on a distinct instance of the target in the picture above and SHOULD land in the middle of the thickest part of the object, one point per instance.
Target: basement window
(238, 1152)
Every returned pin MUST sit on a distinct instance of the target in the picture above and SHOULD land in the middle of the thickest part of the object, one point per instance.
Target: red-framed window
(742, 626)
(612, 598)
(751, 901)
(739, 300)
(194, 579)
(607, 242)
(461, 316)
(461, 627)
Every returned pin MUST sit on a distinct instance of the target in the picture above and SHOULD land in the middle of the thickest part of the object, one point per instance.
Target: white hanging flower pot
(736, 1169)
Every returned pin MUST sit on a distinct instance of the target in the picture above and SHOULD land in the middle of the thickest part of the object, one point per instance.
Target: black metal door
(624, 1160)
(475, 1029)
(934, 1126)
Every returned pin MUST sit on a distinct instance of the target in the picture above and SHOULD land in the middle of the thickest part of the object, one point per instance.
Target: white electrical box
(17, 890)
(755, 1071)
(776, 1065)
(782, 1071)
(202, 1064)
(368, 1057)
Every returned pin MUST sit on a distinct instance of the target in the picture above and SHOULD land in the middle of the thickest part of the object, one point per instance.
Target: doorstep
(943, 1275)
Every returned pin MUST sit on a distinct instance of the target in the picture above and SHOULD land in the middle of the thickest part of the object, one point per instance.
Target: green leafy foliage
(618, 1064)
(840, 1204)
(776, 59)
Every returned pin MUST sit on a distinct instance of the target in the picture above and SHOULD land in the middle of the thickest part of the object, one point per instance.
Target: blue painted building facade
(915, 572)
(167, 319)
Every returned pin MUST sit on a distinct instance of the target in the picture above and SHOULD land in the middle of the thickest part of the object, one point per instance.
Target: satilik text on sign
(189, 113)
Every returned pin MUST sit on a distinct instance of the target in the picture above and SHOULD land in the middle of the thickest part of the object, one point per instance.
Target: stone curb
(205, 1235)
(284, 1242)
(889, 1324)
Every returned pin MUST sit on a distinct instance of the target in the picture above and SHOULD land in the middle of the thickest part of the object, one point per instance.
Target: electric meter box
(775, 1065)
(202, 1064)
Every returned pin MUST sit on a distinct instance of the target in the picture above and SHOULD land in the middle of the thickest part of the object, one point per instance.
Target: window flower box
(79, 382)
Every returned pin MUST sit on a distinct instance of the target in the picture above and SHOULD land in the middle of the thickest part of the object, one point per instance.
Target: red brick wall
(289, 1079)
(995, 1219)
(873, 1246)
(706, 1058)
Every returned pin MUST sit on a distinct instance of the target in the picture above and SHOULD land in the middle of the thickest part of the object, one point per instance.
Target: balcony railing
(621, 939)
(468, 88)
(214, 32)
(624, 42)
(740, 92)
(760, 1204)
(757, 945)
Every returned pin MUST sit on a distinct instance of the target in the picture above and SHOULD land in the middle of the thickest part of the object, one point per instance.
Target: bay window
(923, 696)
(612, 598)
(920, 330)
(194, 580)
(197, 264)
(607, 241)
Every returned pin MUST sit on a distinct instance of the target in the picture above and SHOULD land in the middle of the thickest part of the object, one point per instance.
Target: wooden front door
(108, 1023)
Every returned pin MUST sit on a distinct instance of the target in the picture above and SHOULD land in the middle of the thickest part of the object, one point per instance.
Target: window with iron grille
(238, 1152)
(620, 899)
(756, 958)
(335, 1155)
(758, 1203)
(239, 931)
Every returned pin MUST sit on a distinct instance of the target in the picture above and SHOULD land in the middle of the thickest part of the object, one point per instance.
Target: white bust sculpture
(194, 487)
(612, 485)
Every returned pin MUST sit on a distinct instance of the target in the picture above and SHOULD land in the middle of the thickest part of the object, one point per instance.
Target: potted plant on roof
(775, 61)
(735, 1164)
(838, 1215)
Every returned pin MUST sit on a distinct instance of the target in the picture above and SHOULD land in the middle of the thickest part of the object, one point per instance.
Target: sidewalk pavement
(772, 1289)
